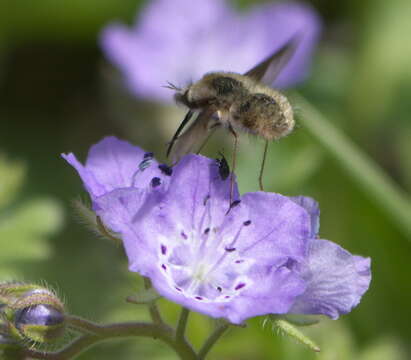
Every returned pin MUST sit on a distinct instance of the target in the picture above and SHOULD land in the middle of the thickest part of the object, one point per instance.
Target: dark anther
(219, 288)
(206, 199)
(199, 298)
(164, 267)
(229, 249)
(223, 168)
(206, 231)
(177, 288)
(239, 286)
(246, 223)
(290, 264)
(165, 169)
(234, 203)
(184, 236)
(155, 181)
(163, 249)
(239, 261)
(148, 155)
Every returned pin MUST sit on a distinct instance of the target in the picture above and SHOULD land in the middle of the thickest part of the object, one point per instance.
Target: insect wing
(194, 137)
(268, 70)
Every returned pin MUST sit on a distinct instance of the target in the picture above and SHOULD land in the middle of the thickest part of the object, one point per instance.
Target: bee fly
(238, 103)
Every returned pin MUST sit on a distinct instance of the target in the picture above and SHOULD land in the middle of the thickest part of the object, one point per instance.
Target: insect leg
(260, 178)
(212, 130)
(230, 128)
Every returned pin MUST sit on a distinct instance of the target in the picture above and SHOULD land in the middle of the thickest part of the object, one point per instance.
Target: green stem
(381, 188)
(98, 333)
(212, 339)
(182, 323)
(153, 309)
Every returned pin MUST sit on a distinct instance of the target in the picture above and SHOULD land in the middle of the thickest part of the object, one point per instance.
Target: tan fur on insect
(269, 114)
(237, 102)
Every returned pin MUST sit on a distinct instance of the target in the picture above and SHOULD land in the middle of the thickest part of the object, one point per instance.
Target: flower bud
(40, 323)
(36, 314)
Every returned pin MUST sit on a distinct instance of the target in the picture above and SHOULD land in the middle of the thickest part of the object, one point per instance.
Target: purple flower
(113, 164)
(181, 40)
(252, 255)
(231, 264)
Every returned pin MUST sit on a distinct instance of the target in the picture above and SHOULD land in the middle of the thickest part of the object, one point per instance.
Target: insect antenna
(171, 86)
(260, 178)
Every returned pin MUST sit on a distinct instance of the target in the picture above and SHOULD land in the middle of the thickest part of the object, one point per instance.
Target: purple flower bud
(38, 315)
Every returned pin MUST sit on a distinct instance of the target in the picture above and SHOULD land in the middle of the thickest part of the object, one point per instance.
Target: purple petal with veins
(336, 280)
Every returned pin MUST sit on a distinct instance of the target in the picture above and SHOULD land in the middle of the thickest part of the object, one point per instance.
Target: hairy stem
(98, 333)
(212, 339)
(182, 323)
(154, 312)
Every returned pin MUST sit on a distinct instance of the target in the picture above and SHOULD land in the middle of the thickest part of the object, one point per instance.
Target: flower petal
(313, 210)
(113, 164)
(120, 210)
(336, 280)
(278, 226)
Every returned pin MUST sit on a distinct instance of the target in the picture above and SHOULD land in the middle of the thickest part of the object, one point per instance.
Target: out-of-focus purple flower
(112, 164)
(181, 40)
(263, 256)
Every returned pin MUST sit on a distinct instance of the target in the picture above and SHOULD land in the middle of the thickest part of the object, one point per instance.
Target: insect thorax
(218, 89)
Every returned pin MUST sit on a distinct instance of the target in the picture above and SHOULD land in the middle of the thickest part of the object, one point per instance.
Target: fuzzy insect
(237, 102)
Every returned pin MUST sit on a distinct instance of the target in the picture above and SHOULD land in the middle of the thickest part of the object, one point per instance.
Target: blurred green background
(58, 94)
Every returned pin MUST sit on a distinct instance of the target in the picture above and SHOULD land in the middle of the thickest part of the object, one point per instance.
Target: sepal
(287, 328)
(93, 222)
(301, 320)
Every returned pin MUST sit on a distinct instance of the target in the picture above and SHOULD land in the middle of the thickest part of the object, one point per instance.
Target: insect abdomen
(263, 115)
